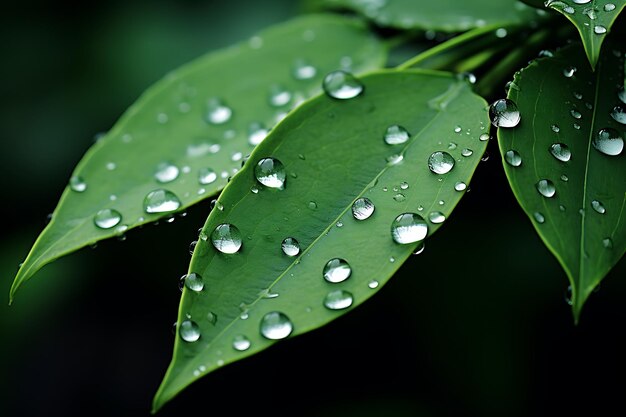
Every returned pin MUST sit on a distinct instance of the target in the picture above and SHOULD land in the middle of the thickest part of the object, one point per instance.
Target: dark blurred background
(475, 326)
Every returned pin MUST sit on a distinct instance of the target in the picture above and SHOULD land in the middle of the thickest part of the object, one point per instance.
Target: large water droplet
(546, 188)
(561, 152)
(338, 300)
(107, 218)
(440, 162)
(342, 85)
(276, 325)
(271, 173)
(241, 343)
(362, 208)
(189, 331)
(396, 135)
(599, 29)
(336, 270)
(513, 158)
(290, 246)
(206, 176)
(217, 112)
(504, 113)
(619, 115)
(598, 206)
(436, 217)
(166, 172)
(160, 201)
(77, 184)
(609, 142)
(194, 282)
(226, 238)
(409, 228)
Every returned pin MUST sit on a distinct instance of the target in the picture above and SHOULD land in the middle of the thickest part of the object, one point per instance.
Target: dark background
(475, 326)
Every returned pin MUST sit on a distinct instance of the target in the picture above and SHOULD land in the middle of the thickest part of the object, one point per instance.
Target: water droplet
(599, 30)
(241, 343)
(338, 300)
(336, 270)
(539, 217)
(581, 1)
(408, 228)
(217, 112)
(290, 246)
(609, 7)
(513, 158)
(467, 152)
(555, 128)
(436, 217)
(166, 172)
(619, 115)
(396, 135)
(569, 72)
(271, 173)
(211, 317)
(395, 159)
(303, 70)
(216, 205)
(226, 238)
(598, 206)
(161, 201)
(504, 113)
(546, 188)
(562, 207)
(193, 282)
(561, 152)
(206, 176)
(279, 96)
(621, 94)
(312, 205)
(339, 224)
(189, 331)
(484, 137)
(256, 133)
(608, 141)
(564, 178)
(276, 325)
(607, 243)
(568, 295)
(77, 184)
(107, 218)
(192, 246)
(399, 197)
(440, 162)
(362, 208)
(575, 114)
(254, 189)
(372, 284)
(342, 85)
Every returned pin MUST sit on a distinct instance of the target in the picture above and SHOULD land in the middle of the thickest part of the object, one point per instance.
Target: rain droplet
(290, 246)
(276, 325)
(161, 201)
(362, 208)
(561, 152)
(598, 206)
(564, 178)
(396, 135)
(621, 94)
(569, 72)
(107, 218)
(619, 115)
(460, 186)
(395, 159)
(312, 205)
(467, 152)
(342, 85)
(513, 158)
(372, 284)
(609, 7)
(436, 217)
(546, 188)
(336, 270)
(575, 114)
(338, 300)
(581, 1)
(77, 184)
(206, 176)
(256, 133)
(217, 112)
(271, 173)
(193, 282)
(539, 217)
(226, 238)
(484, 137)
(607, 243)
(609, 142)
(166, 172)
(599, 30)
(303, 70)
(458, 129)
(399, 197)
(189, 331)
(555, 128)
(504, 113)
(111, 166)
(241, 343)
(408, 228)
(440, 162)
(279, 96)
(211, 317)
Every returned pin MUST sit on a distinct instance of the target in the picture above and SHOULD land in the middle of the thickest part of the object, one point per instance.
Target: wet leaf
(567, 175)
(592, 18)
(189, 132)
(308, 182)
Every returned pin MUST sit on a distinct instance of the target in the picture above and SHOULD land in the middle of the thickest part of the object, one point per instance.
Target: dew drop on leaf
(336, 270)
(77, 184)
(608, 141)
(460, 186)
(338, 300)
(275, 326)
(396, 135)
(362, 208)
(226, 238)
(546, 188)
(279, 96)
(561, 152)
(256, 133)
(107, 218)
(302, 70)
(609, 7)
(342, 85)
(217, 112)
(206, 176)
(467, 152)
(569, 71)
(241, 343)
(271, 173)
(290, 246)
(599, 30)
(504, 113)
(619, 115)
(193, 282)
(189, 331)
(408, 228)
(166, 172)
(513, 158)
(161, 201)
(436, 217)
(598, 206)
(372, 284)
(539, 217)
(440, 162)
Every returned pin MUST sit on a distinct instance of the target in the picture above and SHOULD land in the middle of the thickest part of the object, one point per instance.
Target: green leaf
(168, 125)
(562, 102)
(442, 15)
(333, 153)
(593, 20)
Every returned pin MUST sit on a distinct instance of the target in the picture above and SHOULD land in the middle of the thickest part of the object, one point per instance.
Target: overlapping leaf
(566, 163)
(188, 133)
(333, 153)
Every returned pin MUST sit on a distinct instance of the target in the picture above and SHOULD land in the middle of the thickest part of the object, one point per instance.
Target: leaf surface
(189, 132)
(563, 107)
(333, 153)
(593, 19)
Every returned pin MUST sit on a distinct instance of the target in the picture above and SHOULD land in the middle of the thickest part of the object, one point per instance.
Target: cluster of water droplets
(588, 9)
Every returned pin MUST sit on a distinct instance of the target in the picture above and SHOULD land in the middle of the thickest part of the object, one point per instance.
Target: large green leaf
(333, 153)
(169, 129)
(563, 107)
(592, 18)
(442, 15)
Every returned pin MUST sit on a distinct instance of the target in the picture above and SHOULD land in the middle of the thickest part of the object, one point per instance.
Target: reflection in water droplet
(460, 186)
(342, 85)
(575, 114)
(555, 128)
(275, 325)
(336, 270)
(338, 300)
(599, 30)
(513, 158)
(484, 137)
(546, 188)
(166, 172)
(467, 152)
(372, 284)
(436, 217)
(160, 201)
(598, 206)
(569, 71)
(409, 228)
(217, 112)
(226, 238)
(271, 173)
(560, 151)
(608, 141)
(362, 208)
(396, 135)
(189, 331)
(440, 162)
(107, 218)
(619, 114)
(609, 7)
(504, 113)
(193, 282)
(241, 343)
(539, 217)
(290, 246)
(206, 176)
(77, 184)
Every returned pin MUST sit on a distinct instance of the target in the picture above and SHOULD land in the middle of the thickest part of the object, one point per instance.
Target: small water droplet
(193, 282)
(215, 204)
(338, 300)
(440, 162)
(339, 224)
(609, 7)
(608, 141)
(404, 185)
(467, 152)
(598, 206)
(513, 158)
(254, 189)
(619, 115)
(226, 238)
(271, 173)
(504, 113)
(399, 197)
(217, 112)
(555, 128)
(166, 172)
(484, 137)
(189, 331)
(436, 217)
(621, 94)
(160, 201)
(107, 218)
(279, 96)
(460, 186)
(607, 243)
(575, 114)
(290, 246)
(275, 325)
(256, 133)
(342, 85)
(562, 207)
(408, 228)
(546, 188)
(211, 318)
(192, 246)
(206, 176)
(312, 205)
(567, 296)
(362, 208)
(458, 129)
(569, 71)
(241, 343)
(539, 217)
(336, 270)
(372, 284)
(564, 178)
(599, 30)
(561, 152)
(303, 70)
(395, 159)
(77, 184)
(396, 135)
